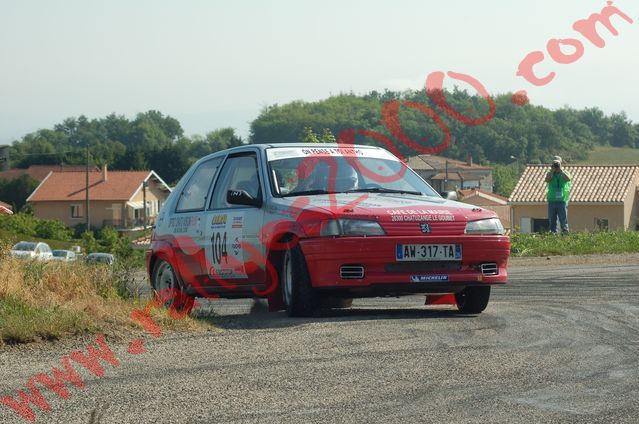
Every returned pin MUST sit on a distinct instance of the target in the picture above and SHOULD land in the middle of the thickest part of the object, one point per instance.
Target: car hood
(399, 214)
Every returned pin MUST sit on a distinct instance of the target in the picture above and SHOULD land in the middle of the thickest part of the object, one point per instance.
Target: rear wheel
(297, 292)
(168, 289)
(473, 300)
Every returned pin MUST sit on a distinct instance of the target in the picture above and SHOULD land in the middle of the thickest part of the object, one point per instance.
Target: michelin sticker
(224, 252)
(425, 278)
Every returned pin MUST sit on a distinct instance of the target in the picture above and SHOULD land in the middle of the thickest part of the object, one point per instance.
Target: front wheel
(297, 292)
(168, 289)
(473, 300)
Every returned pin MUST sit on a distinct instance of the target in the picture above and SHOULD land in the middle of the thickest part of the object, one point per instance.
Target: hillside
(606, 155)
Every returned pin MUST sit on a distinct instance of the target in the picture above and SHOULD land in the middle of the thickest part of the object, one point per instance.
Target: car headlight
(485, 226)
(351, 227)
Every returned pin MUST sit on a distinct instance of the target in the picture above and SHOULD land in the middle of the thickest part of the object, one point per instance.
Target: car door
(186, 223)
(232, 231)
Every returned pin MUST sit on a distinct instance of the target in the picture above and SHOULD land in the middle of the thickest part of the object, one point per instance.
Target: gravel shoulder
(557, 344)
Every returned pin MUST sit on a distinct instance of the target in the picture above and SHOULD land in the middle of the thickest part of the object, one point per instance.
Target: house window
(76, 211)
(601, 224)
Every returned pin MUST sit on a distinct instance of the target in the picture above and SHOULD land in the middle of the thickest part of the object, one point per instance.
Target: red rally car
(309, 225)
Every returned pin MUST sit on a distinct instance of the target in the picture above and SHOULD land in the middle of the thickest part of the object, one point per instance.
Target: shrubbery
(577, 243)
(27, 224)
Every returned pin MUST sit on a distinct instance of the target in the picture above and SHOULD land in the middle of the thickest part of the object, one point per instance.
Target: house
(116, 198)
(492, 201)
(601, 198)
(445, 174)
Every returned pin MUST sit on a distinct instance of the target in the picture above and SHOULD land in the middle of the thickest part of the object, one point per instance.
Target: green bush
(19, 223)
(577, 243)
(52, 230)
(28, 225)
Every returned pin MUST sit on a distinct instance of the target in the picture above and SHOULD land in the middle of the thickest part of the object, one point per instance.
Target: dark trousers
(558, 210)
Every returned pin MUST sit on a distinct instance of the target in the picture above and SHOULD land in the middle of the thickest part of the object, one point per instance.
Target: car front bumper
(326, 258)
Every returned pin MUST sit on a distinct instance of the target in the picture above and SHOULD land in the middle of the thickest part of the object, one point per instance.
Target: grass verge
(53, 300)
(578, 243)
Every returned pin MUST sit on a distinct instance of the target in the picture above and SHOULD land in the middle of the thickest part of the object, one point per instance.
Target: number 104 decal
(224, 254)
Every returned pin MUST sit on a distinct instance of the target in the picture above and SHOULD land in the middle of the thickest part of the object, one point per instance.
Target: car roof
(100, 254)
(264, 146)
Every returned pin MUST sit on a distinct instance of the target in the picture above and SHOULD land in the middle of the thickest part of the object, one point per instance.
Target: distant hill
(606, 155)
(526, 134)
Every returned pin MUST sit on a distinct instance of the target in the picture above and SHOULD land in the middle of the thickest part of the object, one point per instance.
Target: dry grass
(52, 300)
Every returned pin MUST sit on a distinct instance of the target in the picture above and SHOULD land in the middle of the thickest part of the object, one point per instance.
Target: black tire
(169, 289)
(297, 292)
(473, 300)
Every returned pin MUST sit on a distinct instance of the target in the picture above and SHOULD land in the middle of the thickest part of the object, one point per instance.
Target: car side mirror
(241, 197)
(449, 195)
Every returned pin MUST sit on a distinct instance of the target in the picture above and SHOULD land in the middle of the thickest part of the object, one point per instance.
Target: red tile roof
(590, 184)
(6, 205)
(472, 192)
(70, 185)
(39, 172)
(458, 176)
(432, 162)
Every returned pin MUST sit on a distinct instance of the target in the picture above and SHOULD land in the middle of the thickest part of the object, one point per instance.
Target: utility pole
(88, 219)
(144, 217)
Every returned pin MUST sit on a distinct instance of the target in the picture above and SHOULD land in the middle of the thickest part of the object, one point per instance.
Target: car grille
(413, 228)
(489, 269)
(351, 272)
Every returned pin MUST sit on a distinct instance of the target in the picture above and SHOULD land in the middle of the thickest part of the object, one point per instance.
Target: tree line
(516, 134)
(526, 134)
(149, 141)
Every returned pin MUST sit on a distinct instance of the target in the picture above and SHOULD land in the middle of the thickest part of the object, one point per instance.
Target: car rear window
(25, 246)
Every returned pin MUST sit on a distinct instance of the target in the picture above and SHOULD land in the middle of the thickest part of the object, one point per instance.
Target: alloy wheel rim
(288, 279)
(165, 278)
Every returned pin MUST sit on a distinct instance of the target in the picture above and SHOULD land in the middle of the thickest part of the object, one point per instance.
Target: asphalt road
(559, 343)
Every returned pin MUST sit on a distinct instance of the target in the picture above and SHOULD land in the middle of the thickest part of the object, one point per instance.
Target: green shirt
(558, 188)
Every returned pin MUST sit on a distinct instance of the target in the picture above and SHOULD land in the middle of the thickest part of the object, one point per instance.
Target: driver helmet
(346, 178)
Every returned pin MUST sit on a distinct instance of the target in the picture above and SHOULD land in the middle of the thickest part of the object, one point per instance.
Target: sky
(213, 64)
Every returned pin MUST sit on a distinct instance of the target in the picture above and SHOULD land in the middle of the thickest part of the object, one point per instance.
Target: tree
(309, 136)
(17, 190)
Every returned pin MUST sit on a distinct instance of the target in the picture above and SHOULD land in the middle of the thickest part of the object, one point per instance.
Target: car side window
(238, 173)
(193, 196)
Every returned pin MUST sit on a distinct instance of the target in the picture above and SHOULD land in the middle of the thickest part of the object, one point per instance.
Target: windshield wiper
(309, 193)
(383, 190)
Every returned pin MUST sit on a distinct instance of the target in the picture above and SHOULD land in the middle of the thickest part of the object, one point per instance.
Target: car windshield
(60, 253)
(309, 175)
(25, 247)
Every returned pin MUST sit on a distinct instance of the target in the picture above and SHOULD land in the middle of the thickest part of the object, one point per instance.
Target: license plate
(428, 252)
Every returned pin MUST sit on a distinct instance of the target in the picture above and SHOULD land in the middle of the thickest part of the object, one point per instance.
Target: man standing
(559, 182)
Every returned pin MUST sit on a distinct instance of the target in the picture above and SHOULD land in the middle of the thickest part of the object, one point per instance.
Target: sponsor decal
(412, 218)
(236, 246)
(182, 224)
(425, 278)
(238, 222)
(218, 221)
